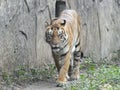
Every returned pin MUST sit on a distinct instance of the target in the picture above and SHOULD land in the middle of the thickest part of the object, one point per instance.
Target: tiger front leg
(63, 73)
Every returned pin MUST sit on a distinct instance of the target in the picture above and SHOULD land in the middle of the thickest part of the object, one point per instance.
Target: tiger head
(55, 34)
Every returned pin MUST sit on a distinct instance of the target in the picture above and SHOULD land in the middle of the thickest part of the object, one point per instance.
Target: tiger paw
(74, 77)
(61, 83)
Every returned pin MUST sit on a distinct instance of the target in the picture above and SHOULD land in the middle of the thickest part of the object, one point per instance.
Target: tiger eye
(58, 28)
(52, 28)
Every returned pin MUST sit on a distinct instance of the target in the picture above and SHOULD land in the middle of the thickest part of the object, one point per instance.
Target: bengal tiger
(63, 35)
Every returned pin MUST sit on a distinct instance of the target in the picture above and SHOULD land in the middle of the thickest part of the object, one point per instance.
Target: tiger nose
(55, 42)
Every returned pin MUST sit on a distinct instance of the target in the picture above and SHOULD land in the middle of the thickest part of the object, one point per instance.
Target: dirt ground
(42, 85)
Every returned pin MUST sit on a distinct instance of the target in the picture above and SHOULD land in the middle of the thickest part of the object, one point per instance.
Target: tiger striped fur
(63, 35)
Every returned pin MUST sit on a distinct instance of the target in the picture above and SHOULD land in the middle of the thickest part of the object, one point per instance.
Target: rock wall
(22, 27)
(100, 24)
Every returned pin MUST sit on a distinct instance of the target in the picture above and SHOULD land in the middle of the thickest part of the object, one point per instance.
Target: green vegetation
(93, 76)
(22, 74)
(96, 77)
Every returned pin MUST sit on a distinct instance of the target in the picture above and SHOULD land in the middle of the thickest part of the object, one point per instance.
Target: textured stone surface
(22, 27)
(100, 24)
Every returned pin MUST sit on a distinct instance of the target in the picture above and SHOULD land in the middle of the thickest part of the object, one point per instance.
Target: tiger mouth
(55, 47)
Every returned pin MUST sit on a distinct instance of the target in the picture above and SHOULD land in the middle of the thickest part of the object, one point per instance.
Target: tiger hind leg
(76, 64)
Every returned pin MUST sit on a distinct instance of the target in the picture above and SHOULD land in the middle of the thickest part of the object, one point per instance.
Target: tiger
(63, 36)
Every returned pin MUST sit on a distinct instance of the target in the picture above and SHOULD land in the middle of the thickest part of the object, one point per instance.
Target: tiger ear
(63, 22)
(46, 24)
(53, 20)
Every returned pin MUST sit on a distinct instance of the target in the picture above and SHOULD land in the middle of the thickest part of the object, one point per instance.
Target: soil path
(42, 85)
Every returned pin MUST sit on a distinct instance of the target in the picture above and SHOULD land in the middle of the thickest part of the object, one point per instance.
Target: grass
(93, 76)
(22, 74)
(97, 77)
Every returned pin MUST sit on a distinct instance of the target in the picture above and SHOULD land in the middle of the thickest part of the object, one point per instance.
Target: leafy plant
(7, 78)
